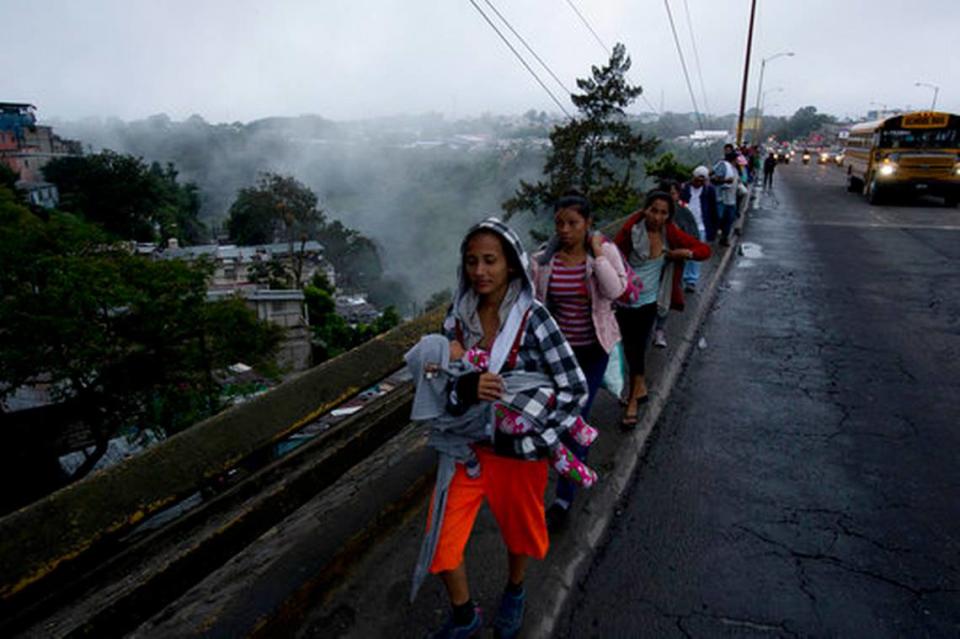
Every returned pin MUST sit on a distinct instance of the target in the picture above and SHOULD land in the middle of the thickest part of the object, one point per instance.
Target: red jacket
(675, 239)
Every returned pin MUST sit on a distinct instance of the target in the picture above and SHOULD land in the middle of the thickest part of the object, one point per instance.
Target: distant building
(356, 309)
(284, 308)
(26, 147)
(234, 265)
(41, 194)
(707, 137)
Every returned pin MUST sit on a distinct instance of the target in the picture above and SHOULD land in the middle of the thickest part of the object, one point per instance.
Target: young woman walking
(578, 275)
(495, 310)
(654, 247)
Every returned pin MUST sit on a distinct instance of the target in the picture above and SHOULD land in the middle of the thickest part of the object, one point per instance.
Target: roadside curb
(561, 581)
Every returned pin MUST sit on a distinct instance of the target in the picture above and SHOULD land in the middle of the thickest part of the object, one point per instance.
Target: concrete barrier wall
(41, 540)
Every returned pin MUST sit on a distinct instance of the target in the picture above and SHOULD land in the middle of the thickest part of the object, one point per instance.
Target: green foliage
(282, 207)
(668, 167)
(278, 207)
(8, 177)
(130, 341)
(274, 274)
(802, 123)
(353, 255)
(127, 198)
(332, 335)
(597, 151)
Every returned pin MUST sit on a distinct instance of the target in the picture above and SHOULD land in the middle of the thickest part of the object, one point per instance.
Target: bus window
(919, 139)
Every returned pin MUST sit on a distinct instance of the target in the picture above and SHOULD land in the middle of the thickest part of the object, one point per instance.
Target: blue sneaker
(509, 619)
(451, 631)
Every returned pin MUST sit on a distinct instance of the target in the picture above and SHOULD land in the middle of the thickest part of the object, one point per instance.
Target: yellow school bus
(916, 153)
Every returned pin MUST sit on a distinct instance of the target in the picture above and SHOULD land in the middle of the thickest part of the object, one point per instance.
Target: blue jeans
(691, 268)
(593, 362)
(728, 213)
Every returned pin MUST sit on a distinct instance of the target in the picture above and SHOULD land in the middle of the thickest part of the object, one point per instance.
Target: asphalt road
(805, 479)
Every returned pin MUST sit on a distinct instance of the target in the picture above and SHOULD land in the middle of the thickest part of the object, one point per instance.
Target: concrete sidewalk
(372, 600)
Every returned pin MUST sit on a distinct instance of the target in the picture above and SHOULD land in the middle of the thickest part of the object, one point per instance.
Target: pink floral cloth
(513, 422)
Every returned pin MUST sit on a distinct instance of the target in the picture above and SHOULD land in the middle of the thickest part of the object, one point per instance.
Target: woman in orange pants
(495, 310)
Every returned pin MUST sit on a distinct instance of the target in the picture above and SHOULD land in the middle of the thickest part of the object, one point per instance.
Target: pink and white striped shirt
(569, 302)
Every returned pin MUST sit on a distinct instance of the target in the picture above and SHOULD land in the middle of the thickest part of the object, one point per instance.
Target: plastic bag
(615, 375)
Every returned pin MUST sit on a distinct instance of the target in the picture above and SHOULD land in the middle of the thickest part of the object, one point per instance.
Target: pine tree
(597, 151)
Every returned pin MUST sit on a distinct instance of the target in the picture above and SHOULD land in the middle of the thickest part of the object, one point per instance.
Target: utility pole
(746, 73)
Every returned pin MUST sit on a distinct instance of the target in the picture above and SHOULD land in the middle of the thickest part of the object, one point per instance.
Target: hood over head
(515, 303)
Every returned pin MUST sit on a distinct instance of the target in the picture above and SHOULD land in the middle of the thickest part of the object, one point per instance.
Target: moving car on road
(917, 153)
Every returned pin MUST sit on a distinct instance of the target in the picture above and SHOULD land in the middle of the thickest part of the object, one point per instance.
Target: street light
(763, 66)
(936, 90)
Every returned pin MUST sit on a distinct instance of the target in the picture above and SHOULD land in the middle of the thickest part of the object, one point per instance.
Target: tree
(668, 167)
(597, 151)
(278, 206)
(8, 177)
(126, 198)
(802, 123)
(128, 341)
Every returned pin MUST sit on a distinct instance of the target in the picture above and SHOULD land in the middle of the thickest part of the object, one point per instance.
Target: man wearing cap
(701, 199)
(726, 177)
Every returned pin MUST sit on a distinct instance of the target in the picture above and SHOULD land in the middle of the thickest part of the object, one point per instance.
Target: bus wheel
(873, 193)
(951, 201)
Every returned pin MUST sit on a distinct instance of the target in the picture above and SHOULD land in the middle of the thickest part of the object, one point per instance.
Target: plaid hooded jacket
(542, 348)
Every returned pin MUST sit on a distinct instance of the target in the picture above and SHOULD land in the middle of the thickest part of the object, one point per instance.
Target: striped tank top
(570, 303)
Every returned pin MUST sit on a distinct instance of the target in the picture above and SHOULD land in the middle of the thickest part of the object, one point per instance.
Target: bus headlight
(887, 170)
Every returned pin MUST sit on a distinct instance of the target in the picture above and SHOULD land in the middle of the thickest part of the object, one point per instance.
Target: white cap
(701, 171)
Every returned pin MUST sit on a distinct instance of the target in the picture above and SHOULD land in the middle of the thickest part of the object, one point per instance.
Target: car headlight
(957, 170)
(887, 169)
(823, 156)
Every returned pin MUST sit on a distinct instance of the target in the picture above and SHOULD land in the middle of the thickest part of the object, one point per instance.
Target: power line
(683, 63)
(696, 57)
(520, 58)
(587, 25)
(529, 48)
(606, 48)
(686, 75)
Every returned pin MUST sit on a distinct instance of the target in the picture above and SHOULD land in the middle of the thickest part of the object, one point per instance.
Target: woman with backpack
(654, 247)
(578, 275)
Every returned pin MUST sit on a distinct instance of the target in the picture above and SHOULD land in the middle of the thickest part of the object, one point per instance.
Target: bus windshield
(920, 139)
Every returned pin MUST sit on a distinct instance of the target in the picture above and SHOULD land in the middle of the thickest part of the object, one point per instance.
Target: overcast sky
(344, 59)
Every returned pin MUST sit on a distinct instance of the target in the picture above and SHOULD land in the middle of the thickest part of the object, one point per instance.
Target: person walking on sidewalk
(495, 310)
(769, 165)
(684, 219)
(726, 177)
(578, 275)
(701, 199)
(653, 246)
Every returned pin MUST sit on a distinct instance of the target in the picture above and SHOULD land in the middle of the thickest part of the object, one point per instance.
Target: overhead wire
(683, 64)
(520, 58)
(600, 41)
(669, 129)
(528, 47)
(696, 57)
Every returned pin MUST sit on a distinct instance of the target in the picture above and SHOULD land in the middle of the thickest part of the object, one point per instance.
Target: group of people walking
(525, 346)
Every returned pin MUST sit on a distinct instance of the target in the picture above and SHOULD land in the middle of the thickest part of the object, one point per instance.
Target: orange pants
(514, 490)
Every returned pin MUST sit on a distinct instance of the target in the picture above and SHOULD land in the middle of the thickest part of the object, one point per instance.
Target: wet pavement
(804, 480)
